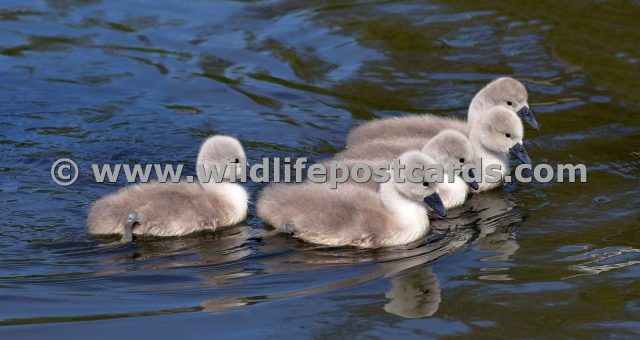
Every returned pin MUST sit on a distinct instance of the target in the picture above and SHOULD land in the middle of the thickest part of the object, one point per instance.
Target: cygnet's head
(501, 131)
(416, 182)
(452, 148)
(508, 93)
(221, 152)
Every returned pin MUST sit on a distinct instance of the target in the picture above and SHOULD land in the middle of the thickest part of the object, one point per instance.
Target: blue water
(147, 81)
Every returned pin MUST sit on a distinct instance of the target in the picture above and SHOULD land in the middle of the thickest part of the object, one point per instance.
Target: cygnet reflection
(414, 294)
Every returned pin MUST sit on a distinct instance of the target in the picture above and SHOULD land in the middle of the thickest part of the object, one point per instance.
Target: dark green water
(146, 81)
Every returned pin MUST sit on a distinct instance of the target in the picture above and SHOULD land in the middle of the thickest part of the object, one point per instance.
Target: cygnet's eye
(461, 160)
(235, 160)
(425, 184)
(509, 103)
(508, 135)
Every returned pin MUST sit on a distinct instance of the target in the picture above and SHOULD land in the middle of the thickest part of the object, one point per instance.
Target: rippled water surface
(146, 81)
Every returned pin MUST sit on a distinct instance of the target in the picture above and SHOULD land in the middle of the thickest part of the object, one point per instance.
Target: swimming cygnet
(354, 215)
(448, 148)
(453, 150)
(175, 209)
(503, 92)
(494, 135)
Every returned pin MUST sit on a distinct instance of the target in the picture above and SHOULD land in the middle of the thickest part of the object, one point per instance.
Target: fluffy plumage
(351, 214)
(505, 92)
(500, 92)
(493, 135)
(448, 148)
(411, 126)
(175, 209)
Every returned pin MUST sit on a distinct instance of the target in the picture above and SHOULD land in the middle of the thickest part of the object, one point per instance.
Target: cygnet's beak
(435, 203)
(471, 181)
(520, 153)
(526, 114)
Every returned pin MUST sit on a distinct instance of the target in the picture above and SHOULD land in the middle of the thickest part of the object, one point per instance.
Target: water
(146, 81)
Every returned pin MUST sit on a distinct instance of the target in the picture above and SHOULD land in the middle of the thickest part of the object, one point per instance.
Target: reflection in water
(392, 262)
(604, 260)
(491, 216)
(499, 219)
(496, 218)
(144, 81)
(414, 294)
(228, 258)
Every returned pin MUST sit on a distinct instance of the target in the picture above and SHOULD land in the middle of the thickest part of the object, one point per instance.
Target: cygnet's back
(355, 168)
(349, 215)
(413, 126)
(162, 209)
(385, 149)
(175, 209)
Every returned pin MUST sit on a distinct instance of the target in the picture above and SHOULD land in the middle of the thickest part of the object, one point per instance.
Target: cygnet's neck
(410, 215)
(452, 194)
(488, 158)
(234, 195)
(476, 107)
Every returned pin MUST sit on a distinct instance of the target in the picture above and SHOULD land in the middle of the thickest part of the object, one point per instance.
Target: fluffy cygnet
(453, 150)
(354, 215)
(387, 149)
(504, 92)
(448, 148)
(494, 135)
(411, 126)
(175, 209)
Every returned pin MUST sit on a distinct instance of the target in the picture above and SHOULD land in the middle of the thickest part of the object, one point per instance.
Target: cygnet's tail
(274, 206)
(129, 224)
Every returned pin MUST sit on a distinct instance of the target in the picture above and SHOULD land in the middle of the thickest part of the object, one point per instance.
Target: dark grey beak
(520, 153)
(435, 203)
(472, 180)
(526, 114)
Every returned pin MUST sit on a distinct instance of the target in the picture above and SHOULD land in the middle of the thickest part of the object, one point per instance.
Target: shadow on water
(143, 81)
